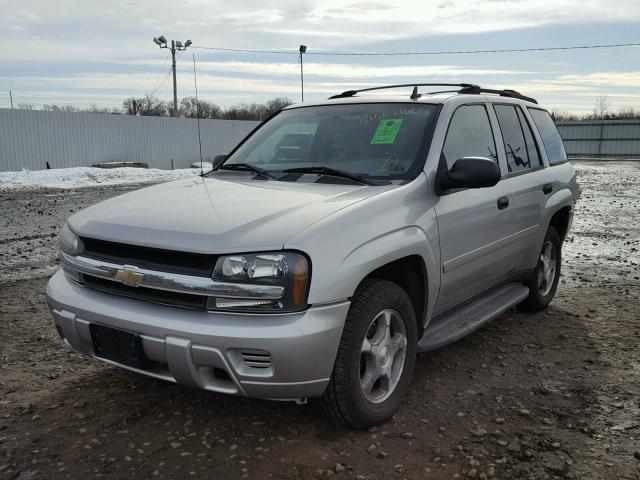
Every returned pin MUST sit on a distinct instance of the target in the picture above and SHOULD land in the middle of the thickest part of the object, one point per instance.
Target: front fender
(347, 246)
(387, 248)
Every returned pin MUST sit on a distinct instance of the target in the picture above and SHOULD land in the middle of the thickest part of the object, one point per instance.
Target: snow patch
(80, 177)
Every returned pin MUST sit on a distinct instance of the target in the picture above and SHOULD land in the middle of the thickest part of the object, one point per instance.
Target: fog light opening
(221, 374)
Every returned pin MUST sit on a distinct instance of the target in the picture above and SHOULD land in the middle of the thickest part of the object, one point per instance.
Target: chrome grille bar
(171, 282)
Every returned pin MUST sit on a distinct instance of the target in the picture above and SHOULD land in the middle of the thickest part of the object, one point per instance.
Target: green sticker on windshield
(387, 131)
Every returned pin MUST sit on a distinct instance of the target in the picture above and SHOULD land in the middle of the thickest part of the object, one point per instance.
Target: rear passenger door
(526, 180)
(474, 224)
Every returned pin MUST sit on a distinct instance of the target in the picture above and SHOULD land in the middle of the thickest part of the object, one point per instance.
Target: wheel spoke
(551, 273)
(540, 278)
(384, 381)
(369, 380)
(387, 327)
(398, 343)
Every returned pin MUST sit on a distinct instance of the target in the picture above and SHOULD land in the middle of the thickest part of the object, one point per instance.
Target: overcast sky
(86, 51)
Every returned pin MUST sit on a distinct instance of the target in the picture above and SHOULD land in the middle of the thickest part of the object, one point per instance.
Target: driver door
(475, 225)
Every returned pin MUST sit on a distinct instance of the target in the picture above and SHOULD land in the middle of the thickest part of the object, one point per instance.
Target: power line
(443, 52)
(162, 70)
(164, 80)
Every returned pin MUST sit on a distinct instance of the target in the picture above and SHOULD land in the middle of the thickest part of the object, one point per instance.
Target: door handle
(547, 188)
(503, 202)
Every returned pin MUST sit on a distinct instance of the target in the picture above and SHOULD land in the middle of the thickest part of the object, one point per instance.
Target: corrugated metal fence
(602, 138)
(29, 139)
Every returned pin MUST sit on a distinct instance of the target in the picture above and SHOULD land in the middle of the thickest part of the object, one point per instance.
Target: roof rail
(503, 93)
(351, 93)
(465, 88)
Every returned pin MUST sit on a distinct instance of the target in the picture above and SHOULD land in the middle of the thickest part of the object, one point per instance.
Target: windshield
(384, 141)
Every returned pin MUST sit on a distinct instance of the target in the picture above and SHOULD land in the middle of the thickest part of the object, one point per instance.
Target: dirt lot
(551, 395)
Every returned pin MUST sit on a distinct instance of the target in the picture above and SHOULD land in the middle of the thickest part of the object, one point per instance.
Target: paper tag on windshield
(387, 131)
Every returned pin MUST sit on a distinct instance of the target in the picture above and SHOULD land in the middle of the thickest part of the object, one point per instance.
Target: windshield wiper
(245, 167)
(333, 172)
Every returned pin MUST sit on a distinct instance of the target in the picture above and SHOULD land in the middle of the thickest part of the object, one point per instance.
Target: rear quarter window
(550, 136)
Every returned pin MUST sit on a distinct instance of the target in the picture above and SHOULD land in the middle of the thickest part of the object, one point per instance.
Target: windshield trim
(416, 167)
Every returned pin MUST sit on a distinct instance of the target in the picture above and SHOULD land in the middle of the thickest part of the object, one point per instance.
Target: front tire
(544, 280)
(375, 359)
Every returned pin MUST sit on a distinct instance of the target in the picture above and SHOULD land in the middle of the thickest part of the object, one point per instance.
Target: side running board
(452, 326)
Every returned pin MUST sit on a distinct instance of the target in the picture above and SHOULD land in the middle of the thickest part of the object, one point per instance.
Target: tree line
(601, 111)
(189, 107)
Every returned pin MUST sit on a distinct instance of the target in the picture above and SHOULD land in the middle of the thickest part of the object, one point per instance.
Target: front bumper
(278, 356)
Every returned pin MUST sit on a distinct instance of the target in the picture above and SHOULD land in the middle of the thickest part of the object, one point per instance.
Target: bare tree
(255, 111)
(563, 116)
(627, 113)
(192, 108)
(601, 107)
(93, 108)
(60, 108)
(145, 106)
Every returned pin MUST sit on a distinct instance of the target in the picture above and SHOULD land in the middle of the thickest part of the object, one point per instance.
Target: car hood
(226, 213)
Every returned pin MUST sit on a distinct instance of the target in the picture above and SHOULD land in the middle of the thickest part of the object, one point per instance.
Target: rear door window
(515, 145)
(550, 136)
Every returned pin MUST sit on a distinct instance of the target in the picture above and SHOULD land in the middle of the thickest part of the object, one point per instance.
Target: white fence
(602, 138)
(30, 139)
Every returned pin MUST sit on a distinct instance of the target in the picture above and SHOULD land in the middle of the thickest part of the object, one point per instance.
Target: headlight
(69, 242)
(287, 269)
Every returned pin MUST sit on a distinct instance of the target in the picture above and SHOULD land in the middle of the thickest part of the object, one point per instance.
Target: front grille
(170, 261)
(148, 294)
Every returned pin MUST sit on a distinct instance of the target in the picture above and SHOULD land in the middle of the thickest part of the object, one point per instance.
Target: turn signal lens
(300, 271)
(69, 242)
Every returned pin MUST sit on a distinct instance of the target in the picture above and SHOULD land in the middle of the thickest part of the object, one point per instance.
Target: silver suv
(333, 244)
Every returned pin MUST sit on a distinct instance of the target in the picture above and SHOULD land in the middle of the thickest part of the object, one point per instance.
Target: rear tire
(375, 359)
(544, 280)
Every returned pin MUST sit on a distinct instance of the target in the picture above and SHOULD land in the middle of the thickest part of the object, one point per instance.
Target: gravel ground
(550, 395)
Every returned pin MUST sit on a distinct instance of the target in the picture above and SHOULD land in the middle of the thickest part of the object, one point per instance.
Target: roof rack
(465, 88)
(351, 93)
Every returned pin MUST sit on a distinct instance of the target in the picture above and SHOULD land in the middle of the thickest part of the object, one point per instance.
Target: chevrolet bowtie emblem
(130, 276)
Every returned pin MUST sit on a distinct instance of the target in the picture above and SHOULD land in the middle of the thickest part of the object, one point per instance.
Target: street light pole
(175, 46)
(175, 86)
(303, 49)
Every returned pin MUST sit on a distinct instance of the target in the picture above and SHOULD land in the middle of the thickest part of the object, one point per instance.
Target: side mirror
(217, 160)
(471, 172)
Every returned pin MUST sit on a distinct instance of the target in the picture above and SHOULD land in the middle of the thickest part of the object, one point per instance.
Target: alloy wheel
(547, 268)
(383, 355)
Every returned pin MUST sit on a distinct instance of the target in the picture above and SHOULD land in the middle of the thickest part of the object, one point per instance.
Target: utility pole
(176, 45)
(303, 49)
(11, 98)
